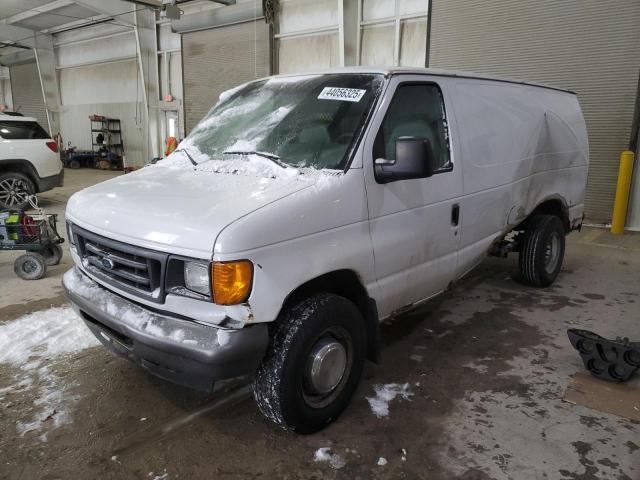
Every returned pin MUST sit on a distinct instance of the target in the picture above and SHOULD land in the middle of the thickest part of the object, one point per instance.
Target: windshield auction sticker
(344, 94)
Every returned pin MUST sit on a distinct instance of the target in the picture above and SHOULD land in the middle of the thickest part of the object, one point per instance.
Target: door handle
(455, 215)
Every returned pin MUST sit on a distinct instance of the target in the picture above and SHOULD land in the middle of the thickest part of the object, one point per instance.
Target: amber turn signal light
(231, 281)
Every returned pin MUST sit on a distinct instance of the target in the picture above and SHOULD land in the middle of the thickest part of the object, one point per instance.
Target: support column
(349, 26)
(147, 50)
(45, 61)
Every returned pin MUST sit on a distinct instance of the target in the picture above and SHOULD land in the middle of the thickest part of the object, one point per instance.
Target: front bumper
(178, 350)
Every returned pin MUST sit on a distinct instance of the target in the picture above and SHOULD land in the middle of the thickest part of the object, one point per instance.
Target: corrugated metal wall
(220, 58)
(590, 46)
(27, 92)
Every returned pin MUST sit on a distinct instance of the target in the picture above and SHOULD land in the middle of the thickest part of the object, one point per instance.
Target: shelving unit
(112, 147)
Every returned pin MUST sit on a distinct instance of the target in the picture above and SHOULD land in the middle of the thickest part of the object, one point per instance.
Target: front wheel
(313, 364)
(542, 250)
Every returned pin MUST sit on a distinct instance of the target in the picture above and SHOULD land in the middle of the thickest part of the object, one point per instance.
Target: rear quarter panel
(521, 145)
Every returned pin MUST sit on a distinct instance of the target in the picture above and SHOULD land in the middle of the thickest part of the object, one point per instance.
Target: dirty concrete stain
(594, 296)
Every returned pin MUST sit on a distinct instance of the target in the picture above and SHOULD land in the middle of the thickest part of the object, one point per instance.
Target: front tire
(15, 189)
(542, 250)
(313, 365)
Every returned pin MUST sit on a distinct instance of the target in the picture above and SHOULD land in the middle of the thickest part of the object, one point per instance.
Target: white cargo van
(305, 209)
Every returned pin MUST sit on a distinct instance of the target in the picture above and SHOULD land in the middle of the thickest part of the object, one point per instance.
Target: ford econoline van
(305, 209)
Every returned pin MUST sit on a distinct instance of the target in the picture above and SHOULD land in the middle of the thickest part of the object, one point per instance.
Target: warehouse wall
(590, 46)
(307, 37)
(311, 33)
(110, 89)
(98, 74)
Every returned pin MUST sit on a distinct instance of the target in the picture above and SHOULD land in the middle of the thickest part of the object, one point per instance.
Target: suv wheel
(15, 189)
(542, 250)
(313, 364)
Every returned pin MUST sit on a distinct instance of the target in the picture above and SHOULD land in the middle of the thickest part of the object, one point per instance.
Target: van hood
(177, 209)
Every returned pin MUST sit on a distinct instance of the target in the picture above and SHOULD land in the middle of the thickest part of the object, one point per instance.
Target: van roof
(17, 118)
(390, 71)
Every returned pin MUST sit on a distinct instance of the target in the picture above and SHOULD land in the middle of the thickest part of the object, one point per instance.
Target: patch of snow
(382, 462)
(229, 93)
(29, 343)
(130, 314)
(223, 337)
(143, 419)
(43, 334)
(159, 476)
(477, 367)
(291, 79)
(326, 455)
(385, 394)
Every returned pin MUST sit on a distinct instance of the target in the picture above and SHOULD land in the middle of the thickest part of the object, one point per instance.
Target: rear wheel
(542, 250)
(30, 266)
(15, 189)
(313, 364)
(52, 254)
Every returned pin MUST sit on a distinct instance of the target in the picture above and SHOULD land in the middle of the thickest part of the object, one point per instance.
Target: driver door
(414, 223)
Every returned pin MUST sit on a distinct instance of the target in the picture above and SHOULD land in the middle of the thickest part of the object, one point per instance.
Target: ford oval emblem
(107, 263)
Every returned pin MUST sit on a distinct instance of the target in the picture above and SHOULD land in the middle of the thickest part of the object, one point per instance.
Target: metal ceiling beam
(23, 36)
(122, 11)
(18, 58)
(85, 22)
(18, 17)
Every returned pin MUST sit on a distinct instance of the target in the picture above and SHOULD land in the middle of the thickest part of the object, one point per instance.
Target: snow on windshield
(277, 126)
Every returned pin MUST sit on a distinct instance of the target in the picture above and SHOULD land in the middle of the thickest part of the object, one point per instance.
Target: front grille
(130, 268)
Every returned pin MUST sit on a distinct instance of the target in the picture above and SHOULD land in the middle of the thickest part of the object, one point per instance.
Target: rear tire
(15, 188)
(542, 250)
(52, 254)
(313, 364)
(30, 266)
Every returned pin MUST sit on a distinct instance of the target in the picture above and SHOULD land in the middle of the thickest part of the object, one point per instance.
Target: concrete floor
(486, 364)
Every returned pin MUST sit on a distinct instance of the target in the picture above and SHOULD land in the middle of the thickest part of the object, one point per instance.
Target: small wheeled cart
(37, 235)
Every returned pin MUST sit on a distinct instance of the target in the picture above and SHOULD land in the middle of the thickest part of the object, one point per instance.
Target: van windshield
(301, 121)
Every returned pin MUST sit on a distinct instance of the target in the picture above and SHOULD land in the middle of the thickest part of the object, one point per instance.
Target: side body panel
(521, 145)
(414, 241)
(314, 231)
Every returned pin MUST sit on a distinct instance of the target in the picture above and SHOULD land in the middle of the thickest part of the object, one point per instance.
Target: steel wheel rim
(552, 253)
(327, 368)
(29, 267)
(13, 192)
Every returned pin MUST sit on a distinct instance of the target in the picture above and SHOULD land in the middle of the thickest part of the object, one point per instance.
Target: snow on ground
(29, 343)
(326, 455)
(385, 394)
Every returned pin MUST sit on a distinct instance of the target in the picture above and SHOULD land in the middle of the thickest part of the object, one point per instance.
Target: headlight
(72, 240)
(196, 277)
(231, 281)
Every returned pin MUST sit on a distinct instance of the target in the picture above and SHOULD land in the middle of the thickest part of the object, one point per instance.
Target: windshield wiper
(193, 162)
(269, 156)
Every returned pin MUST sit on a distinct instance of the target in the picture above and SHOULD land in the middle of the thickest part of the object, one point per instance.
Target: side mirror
(414, 159)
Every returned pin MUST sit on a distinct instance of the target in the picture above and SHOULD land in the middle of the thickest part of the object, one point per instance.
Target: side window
(21, 130)
(416, 110)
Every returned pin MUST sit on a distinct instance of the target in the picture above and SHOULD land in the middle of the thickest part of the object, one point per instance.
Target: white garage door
(220, 58)
(589, 46)
(27, 92)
